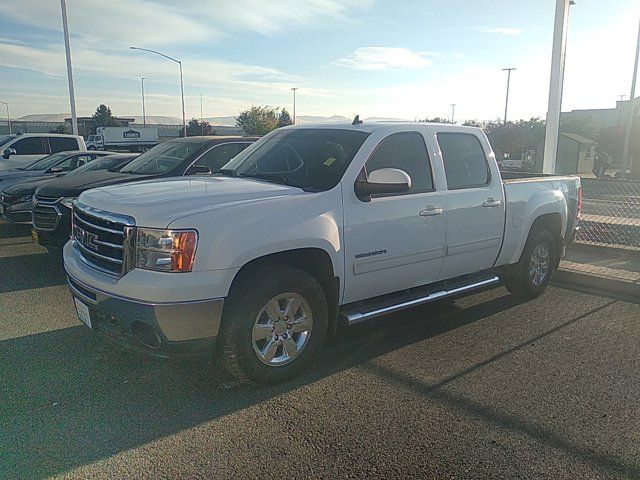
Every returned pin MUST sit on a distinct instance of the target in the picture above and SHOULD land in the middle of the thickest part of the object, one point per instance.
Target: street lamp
(144, 116)
(184, 121)
(8, 117)
(506, 102)
(294, 104)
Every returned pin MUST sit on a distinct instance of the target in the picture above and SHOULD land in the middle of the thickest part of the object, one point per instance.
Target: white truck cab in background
(308, 227)
(22, 149)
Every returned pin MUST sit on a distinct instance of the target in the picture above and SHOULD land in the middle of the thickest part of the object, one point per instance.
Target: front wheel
(530, 277)
(274, 322)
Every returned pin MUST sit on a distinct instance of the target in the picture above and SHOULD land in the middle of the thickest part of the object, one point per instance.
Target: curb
(619, 251)
(597, 284)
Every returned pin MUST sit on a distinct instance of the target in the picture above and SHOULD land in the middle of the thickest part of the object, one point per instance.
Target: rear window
(464, 160)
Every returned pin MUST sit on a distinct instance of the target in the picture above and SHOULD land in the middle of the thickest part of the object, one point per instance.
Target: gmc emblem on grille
(87, 239)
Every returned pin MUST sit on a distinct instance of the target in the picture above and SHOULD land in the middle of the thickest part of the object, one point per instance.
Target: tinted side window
(62, 144)
(465, 164)
(405, 151)
(218, 156)
(31, 146)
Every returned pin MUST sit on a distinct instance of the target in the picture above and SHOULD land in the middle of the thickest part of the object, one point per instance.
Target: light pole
(627, 133)
(453, 111)
(506, 101)
(555, 85)
(294, 104)
(144, 116)
(72, 98)
(184, 121)
(8, 117)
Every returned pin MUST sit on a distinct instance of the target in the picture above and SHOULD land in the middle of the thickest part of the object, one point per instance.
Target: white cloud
(503, 30)
(384, 58)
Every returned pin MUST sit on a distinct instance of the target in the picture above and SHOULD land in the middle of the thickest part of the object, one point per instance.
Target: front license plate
(83, 312)
(34, 235)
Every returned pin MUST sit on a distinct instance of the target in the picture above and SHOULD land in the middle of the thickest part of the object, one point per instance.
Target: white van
(20, 150)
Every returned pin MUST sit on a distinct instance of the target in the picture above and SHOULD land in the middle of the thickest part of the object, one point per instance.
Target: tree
(284, 119)
(196, 128)
(103, 118)
(258, 120)
(436, 120)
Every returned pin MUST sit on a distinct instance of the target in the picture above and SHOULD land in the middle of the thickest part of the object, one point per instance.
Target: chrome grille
(102, 239)
(46, 213)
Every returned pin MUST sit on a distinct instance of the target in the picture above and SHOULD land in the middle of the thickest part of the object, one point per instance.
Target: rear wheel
(274, 322)
(530, 277)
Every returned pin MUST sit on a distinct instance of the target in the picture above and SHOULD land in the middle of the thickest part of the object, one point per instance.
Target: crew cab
(309, 227)
(182, 156)
(22, 149)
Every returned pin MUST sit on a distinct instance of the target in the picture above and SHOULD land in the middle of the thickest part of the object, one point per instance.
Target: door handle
(492, 202)
(431, 211)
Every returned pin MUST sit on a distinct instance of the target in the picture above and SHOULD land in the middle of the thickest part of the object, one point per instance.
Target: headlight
(165, 250)
(68, 201)
(25, 199)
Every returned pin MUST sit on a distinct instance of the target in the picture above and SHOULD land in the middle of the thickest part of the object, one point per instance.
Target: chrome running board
(359, 314)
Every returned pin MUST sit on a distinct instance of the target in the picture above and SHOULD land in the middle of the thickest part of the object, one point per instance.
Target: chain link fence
(610, 213)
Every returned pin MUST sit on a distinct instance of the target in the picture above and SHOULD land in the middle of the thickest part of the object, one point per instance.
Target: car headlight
(165, 250)
(25, 199)
(68, 201)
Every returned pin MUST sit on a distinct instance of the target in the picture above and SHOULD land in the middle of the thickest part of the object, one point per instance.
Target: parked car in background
(16, 191)
(20, 150)
(182, 156)
(134, 139)
(311, 226)
(52, 165)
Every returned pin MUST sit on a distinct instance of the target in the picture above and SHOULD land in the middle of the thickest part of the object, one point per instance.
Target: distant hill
(44, 117)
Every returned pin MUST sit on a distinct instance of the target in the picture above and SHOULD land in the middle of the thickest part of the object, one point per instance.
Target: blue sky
(401, 59)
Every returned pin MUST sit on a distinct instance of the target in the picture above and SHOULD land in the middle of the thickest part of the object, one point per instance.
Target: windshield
(6, 139)
(312, 159)
(114, 162)
(164, 158)
(46, 162)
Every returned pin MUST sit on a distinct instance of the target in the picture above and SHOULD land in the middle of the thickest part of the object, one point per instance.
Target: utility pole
(506, 101)
(201, 118)
(72, 98)
(555, 85)
(453, 111)
(144, 115)
(621, 97)
(184, 119)
(294, 104)
(8, 117)
(627, 135)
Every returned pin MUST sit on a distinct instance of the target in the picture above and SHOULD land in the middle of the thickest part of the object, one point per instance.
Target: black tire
(91, 148)
(517, 277)
(251, 293)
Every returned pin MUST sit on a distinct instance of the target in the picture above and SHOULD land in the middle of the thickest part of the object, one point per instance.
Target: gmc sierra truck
(310, 227)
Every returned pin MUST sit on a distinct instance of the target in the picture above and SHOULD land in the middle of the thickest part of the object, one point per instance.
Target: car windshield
(312, 159)
(46, 162)
(114, 162)
(164, 158)
(6, 139)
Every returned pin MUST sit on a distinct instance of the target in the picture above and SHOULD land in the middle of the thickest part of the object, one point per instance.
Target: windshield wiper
(227, 172)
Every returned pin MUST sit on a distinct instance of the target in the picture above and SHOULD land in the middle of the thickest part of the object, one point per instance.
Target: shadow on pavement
(24, 272)
(69, 400)
(11, 230)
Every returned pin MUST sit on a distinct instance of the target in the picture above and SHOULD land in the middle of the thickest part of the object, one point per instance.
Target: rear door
(474, 204)
(394, 242)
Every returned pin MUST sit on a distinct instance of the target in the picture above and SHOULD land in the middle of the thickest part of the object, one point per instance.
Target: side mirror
(199, 170)
(383, 181)
(8, 152)
(56, 170)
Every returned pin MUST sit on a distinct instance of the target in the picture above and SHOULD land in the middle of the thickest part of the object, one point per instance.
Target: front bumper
(19, 213)
(160, 329)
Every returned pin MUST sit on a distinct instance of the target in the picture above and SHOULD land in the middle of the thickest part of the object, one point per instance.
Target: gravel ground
(485, 387)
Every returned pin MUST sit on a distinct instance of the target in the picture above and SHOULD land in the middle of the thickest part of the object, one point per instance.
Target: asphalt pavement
(483, 387)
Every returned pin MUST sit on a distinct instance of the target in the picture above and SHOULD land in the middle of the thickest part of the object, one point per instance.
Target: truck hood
(158, 203)
(28, 186)
(74, 185)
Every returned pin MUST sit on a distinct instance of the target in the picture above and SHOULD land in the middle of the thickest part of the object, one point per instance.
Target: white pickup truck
(306, 228)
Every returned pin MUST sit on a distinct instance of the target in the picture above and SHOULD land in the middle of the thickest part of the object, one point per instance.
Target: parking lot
(485, 387)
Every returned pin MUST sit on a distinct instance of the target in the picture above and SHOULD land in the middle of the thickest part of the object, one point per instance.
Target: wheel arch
(552, 222)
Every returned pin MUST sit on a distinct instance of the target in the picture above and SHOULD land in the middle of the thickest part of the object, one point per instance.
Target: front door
(475, 206)
(394, 242)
